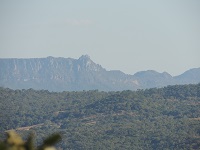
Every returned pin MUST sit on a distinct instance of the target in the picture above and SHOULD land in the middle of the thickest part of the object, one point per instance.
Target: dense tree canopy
(164, 118)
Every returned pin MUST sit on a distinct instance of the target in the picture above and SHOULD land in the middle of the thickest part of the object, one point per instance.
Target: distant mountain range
(68, 74)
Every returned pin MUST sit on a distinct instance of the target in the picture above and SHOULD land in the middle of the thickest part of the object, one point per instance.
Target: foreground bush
(15, 142)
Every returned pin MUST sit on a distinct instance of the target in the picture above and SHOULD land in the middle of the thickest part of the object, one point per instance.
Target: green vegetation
(164, 118)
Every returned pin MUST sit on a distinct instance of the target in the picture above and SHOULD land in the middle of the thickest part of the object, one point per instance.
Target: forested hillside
(164, 118)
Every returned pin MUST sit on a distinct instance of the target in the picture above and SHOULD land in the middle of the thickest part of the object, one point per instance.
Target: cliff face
(53, 74)
(46, 73)
(59, 74)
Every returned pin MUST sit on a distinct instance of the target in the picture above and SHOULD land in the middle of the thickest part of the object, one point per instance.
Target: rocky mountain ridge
(68, 74)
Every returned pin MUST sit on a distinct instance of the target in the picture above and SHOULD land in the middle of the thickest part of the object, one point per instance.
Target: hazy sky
(126, 35)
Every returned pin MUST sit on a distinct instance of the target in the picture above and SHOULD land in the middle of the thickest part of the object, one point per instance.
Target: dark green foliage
(164, 118)
(30, 143)
(50, 141)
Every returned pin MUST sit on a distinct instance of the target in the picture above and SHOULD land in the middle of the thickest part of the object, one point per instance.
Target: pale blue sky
(126, 35)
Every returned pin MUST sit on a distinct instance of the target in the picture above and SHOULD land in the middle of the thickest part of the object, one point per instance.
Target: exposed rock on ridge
(59, 74)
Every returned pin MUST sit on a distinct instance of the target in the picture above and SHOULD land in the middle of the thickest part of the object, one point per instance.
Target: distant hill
(61, 74)
(190, 76)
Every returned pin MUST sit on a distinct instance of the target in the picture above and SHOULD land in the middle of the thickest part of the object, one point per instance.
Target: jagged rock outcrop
(60, 74)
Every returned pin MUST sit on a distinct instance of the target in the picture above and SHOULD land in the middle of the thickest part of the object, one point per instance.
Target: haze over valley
(100, 75)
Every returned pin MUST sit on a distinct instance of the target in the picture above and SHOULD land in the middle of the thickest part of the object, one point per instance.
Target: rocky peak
(87, 64)
(84, 58)
(58, 74)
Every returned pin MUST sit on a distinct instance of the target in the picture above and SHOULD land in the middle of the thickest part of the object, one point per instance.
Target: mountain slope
(60, 74)
(190, 76)
(152, 78)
